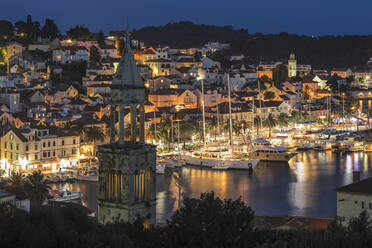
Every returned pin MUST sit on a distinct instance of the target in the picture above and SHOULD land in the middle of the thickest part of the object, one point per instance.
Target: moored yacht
(60, 195)
(264, 151)
(218, 159)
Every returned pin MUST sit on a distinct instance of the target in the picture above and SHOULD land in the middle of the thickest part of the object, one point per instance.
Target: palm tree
(16, 184)
(197, 130)
(236, 128)
(186, 131)
(164, 131)
(16, 180)
(212, 126)
(283, 120)
(2, 181)
(270, 123)
(35, 188)
(150, 133)
(257, 123)
(243, 125)
(92, 135)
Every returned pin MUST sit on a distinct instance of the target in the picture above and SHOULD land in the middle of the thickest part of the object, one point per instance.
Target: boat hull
(87, 178)
(272, 157)
(225, 164)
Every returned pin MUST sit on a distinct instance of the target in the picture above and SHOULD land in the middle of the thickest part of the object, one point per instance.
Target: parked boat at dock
(264, 151)
(60, 195)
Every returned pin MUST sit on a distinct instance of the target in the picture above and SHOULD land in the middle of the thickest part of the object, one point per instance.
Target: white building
(354, 198)
(70, 54)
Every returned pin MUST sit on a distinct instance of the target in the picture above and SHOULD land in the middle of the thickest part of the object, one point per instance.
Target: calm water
(302, 188)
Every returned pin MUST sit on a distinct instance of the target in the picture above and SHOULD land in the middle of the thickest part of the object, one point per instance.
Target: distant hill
(323, 51)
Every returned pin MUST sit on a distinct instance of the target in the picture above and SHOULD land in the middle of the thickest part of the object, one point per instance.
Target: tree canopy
(322, 51)
(79, 31)
(49, 30)
(205, 222)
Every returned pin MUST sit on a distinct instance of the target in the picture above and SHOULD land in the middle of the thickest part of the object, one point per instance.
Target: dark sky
(312, 17)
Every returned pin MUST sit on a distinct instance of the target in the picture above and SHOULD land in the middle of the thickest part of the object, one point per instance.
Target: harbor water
(304, 187)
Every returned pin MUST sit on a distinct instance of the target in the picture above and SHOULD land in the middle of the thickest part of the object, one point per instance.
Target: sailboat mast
(218, 127)
(155, 134)
(259, 100)
(202, 84)
(230, 117)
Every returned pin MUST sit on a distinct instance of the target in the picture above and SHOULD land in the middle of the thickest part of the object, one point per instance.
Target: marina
(303, 187)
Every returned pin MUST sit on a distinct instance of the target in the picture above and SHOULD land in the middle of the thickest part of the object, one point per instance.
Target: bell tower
(127, 166)
(292, 66)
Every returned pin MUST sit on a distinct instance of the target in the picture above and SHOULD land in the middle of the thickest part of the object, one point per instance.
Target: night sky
(312, 17)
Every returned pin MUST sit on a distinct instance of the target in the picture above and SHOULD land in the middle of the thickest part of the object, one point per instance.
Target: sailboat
(220, 157)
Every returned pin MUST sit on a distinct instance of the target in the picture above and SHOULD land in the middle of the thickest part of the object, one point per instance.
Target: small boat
(90, 175)
(160, 168)
(60, 195)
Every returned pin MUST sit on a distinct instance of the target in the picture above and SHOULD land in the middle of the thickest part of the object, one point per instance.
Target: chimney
(356, 176)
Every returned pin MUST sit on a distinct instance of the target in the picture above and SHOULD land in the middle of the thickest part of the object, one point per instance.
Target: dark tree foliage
(74, 71)
(30, 28)
(49, 30)
(57, 227)
(205, 222)
(101, 38)
(322, 51)
(332, 83)
(211, 222)
(79, 32)
(94, 54)
(6, 28)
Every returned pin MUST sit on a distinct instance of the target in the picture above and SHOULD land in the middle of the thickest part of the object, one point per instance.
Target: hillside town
(55, 104)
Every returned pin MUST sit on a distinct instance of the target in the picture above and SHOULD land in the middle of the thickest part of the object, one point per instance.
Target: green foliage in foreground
(204, 222)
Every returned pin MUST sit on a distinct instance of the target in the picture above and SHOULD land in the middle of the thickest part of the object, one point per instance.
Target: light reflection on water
(304, 187)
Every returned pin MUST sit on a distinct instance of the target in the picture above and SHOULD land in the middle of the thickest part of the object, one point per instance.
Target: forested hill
(323, 51)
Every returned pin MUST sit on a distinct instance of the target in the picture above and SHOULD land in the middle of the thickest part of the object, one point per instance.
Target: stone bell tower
(292, 66)
(127, 166)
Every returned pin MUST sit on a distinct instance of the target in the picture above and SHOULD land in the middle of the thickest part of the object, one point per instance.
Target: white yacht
(60, 195)
(264, 151)
(218, 160)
